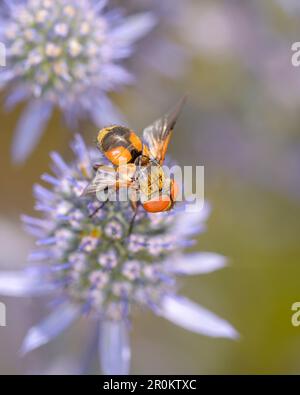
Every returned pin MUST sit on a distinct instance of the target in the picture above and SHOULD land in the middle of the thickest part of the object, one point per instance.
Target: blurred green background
(242, 123)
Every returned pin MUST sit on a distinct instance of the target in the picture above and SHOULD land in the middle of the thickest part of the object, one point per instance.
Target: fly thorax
(152, 180)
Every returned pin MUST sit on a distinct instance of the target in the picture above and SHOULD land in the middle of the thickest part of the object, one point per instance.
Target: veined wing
(106, 177)
(157, 136)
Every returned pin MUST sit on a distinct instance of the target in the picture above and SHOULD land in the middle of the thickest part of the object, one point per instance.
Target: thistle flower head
(92, 257)
(67, 53)
(92, 267)
(58, 47)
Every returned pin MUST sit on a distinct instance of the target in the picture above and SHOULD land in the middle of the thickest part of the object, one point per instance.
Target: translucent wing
(157, 136)
(106, 177)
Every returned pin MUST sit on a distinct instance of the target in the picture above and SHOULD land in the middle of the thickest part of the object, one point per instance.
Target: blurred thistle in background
(95, 270)
(65, 54)
(245, 88)
(163, 52)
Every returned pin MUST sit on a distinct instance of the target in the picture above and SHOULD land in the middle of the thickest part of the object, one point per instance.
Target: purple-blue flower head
(65, 54)
(92, 268)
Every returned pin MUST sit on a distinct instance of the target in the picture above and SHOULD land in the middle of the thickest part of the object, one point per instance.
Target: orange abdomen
(119, 144)
(163, 202)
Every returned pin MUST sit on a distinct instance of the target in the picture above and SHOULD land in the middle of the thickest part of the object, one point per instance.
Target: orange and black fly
(137, 164)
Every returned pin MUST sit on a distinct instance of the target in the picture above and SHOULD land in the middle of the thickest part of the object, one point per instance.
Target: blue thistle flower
(92, 268)
(66, 54)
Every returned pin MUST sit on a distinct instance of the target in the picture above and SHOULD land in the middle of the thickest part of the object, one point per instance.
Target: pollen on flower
(61, 29)
(69, 11)
(114, 230)
(63, 208)
(78, 261)
(151, 272)
(98, 278)
(41, 16)
(88, 243)
(108, 260)
(136, 243)
(75, 48)
(84, 28)
(63, 237)
(60, 68)
(53, 50)
(155, 246)
(131, 270)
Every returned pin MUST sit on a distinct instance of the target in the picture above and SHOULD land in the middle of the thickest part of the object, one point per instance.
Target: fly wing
(106, 177)
(157, 136)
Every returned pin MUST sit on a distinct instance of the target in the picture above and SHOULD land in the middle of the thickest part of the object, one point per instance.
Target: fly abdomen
(119, 144)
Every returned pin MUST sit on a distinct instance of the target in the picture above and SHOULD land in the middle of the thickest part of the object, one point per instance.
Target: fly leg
(98, 209)
(135, 202)
(135, 207)
(96, 166)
